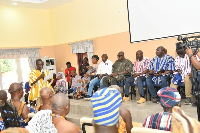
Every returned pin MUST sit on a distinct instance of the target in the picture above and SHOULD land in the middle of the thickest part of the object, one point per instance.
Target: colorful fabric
(181, 123)
(169, 97)
(68, 71)
(160, 121)
(75, 81)
(177, 79)
(122, 125)
(141, 66)
(61, 86)
(165, 63)
(27, 87)
(106, 103)
(15, 130)
(35, 89)
(184, 65)
(94, 66)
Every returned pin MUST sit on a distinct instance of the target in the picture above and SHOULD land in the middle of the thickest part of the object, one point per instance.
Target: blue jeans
(151, 84)
(93, 83)
(139, 82)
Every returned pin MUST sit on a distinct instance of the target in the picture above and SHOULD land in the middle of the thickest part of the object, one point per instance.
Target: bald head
(15, 87)
(46, 93)
(3, 97)
(59, 102)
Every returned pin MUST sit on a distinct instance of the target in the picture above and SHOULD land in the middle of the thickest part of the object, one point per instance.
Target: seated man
(160, 68)
(46, 95)
(119, 68)
(3, 99)
(104, 69)
(140, 68)
(60, 105)
(16, 92)
(106, 103)
(169, 97)
(183, 68)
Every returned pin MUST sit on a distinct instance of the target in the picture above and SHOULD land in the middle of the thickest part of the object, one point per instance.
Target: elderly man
(46, 95)
(169, 97)
(36, 81)
(106, 103)
(140, 68)
(104, 69)
(160, 68)
(120, 67)
(60, 105)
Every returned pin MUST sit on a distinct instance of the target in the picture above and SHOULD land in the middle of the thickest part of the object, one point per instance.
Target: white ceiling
(46, 5)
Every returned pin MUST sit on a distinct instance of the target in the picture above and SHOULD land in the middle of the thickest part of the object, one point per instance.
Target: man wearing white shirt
(104, 69)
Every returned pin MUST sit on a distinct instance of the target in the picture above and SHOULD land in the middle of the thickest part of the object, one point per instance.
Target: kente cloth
(106, 103)
(141, 66)
(41, 123)
(165, 63)
(184, 65)
(160, 121)
(181, 123)
(122, 125)
(169, 96)
(35, 89)
(21, 120)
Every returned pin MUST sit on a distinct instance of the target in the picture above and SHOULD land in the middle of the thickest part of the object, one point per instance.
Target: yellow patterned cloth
(35, 89)
(122, 126)
(181, 123)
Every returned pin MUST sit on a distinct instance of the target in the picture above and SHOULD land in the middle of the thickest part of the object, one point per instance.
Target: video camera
(194, 44)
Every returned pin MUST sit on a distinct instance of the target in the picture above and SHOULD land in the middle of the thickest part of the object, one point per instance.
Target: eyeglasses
(119, 55)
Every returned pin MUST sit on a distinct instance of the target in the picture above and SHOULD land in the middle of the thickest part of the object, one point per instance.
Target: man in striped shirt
(169, 97)
(183, 68)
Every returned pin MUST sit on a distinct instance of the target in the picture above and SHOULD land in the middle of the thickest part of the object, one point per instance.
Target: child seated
(80, 89)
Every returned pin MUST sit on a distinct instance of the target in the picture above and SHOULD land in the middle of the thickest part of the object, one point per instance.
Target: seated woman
(61, 84)
(16, 91)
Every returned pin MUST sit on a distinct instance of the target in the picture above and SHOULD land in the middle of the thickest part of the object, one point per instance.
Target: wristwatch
(190, 56)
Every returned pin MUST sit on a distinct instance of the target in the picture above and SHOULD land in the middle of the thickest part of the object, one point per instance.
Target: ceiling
(46, 5)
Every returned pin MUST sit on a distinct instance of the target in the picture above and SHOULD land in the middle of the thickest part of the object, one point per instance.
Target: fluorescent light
(14, 3)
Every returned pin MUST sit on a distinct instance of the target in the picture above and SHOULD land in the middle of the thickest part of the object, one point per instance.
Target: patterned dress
(61, 85)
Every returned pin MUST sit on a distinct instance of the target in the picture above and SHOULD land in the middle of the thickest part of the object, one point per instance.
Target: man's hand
(136, 74)
(113, 74)
(42, 76)
(189, 51)
(158, 74)
(49, 80)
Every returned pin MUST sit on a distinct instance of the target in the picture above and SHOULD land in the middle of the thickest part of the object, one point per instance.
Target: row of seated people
(15, 113)
(157, 71)
(109, 116)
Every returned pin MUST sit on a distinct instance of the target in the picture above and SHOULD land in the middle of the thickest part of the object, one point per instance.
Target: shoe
(154, 100)
(126, 99)
(142, 100)
(194, 104)
(87, 97)
(188, 101)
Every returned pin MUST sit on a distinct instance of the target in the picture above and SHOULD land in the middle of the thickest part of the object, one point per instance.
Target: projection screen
(156, 19)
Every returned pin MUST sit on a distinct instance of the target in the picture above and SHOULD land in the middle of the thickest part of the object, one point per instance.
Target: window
(13, 70)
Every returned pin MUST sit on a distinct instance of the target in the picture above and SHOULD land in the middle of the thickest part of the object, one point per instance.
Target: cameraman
(194, 60)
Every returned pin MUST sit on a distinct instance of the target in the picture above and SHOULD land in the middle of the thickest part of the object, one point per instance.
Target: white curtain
(83, 47)
(32, 54)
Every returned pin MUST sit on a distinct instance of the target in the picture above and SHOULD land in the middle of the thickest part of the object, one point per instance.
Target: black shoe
(87, 97)
(194, 104)
(188, 101)
(154, 100)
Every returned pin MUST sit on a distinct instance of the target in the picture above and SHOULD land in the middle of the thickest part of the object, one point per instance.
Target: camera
(184, 43)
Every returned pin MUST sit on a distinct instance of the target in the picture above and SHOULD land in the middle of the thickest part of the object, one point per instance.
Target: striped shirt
(141, 66)
(165, 63)
(184, 65)
(160, 121)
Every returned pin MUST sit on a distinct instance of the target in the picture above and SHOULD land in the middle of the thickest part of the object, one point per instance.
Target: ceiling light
(14, 3)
